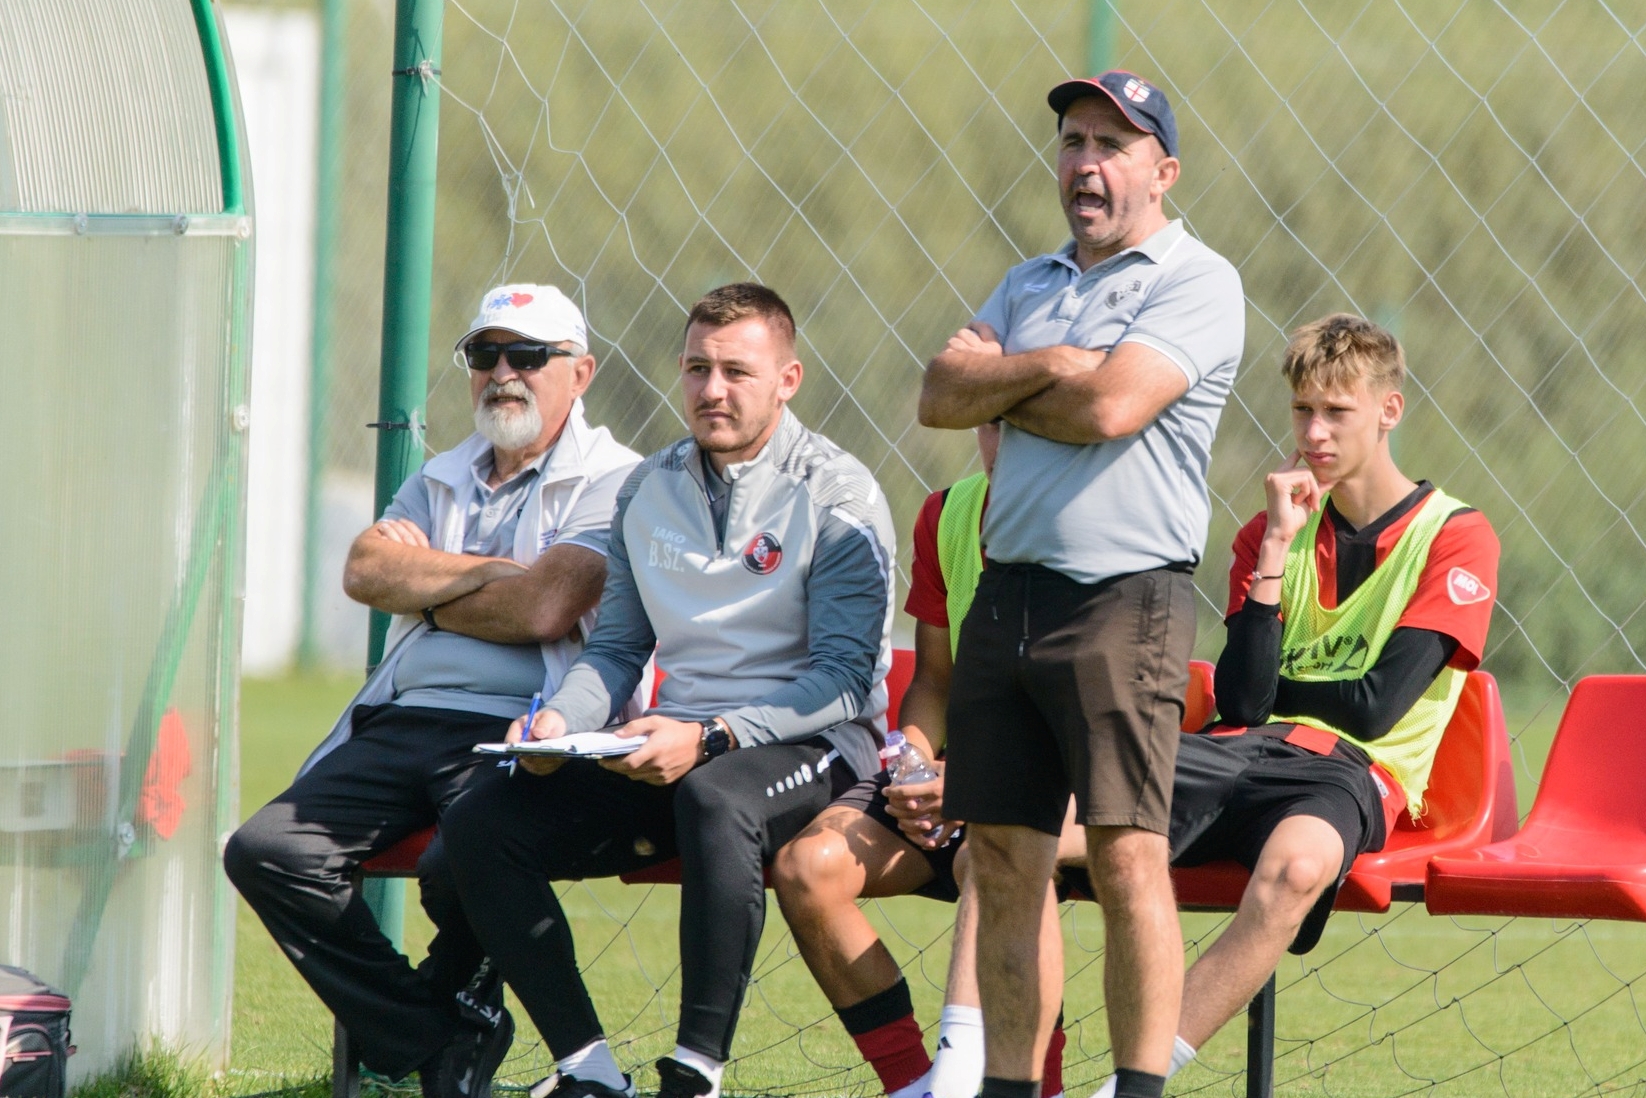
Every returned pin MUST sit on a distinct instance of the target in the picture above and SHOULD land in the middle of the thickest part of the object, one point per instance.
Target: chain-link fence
(1464, 172)
(1467, 172)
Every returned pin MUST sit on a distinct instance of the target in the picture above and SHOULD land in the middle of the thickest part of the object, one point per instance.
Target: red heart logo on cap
(518, 300)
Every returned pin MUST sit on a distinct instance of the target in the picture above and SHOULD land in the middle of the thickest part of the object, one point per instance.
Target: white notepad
(589, 745)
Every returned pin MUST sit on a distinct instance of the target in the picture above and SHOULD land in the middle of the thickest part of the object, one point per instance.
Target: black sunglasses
(522, 356)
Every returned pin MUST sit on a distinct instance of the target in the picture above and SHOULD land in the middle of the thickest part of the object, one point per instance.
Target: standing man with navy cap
(492, 557)
(1109, 361)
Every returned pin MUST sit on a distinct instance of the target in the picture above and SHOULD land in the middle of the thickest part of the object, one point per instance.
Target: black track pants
(511, 836)
(295, 863)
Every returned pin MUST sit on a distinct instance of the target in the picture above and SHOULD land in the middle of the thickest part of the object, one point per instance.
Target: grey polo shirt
(1130, 504)
(443, 670)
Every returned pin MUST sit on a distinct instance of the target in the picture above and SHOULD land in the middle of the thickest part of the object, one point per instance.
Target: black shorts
(1063, 687)
(1229, 794)
(869, 797)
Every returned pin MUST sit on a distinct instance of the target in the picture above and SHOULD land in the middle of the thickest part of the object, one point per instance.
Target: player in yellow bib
(1358, 602)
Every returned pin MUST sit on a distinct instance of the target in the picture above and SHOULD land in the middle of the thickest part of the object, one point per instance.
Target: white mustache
(513, 387)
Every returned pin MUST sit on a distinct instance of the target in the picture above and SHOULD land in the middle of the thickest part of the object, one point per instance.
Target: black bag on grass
(34, 1037)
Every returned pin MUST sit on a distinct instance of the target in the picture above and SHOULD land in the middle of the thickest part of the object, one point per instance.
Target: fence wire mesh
(1468, 172)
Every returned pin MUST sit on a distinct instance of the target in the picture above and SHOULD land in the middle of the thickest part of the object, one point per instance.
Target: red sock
(1051, 1081)
(889, 1038)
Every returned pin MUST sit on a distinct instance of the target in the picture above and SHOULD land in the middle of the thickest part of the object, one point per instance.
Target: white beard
(507, 426)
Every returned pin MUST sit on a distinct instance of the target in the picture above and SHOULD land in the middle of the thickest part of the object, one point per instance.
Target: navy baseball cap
(1143, 104)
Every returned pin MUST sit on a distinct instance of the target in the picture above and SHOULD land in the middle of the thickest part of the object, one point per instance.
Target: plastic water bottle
(905, 762)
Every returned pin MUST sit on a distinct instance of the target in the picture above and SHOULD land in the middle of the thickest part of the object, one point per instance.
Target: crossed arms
(1066, 394)
(392, 567)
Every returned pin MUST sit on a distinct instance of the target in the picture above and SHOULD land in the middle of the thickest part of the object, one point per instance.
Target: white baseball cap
(536, 312)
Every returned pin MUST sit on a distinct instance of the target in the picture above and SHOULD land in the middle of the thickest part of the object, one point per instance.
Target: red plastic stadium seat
(1470, 802)
(400, 860)
(1582, 853)
(1200, 704)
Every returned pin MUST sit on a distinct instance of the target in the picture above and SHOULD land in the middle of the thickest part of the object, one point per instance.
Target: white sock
(957, 1069)
(916, 1089)
(711, 1070)
(593, 1063)
(1182, 1053)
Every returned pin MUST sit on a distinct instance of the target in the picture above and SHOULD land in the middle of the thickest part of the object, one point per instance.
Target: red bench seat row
(1582, 853)
(1470, 802)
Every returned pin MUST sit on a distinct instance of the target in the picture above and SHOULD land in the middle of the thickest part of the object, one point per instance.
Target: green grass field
(1384, 1006)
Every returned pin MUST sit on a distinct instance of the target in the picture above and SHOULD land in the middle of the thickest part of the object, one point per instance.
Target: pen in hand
(526, 728)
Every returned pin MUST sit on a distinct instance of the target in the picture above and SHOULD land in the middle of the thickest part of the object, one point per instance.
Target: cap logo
(763, 555)
(515, 300)
(1464, 589)
(1136, 90)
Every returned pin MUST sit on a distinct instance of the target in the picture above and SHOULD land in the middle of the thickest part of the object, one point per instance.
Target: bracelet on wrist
(1256, 576)
(428, 619)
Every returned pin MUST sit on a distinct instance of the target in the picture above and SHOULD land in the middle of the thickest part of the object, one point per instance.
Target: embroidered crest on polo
(1464, 588)
(1136, 90)
(1121, 293)
(764, 554)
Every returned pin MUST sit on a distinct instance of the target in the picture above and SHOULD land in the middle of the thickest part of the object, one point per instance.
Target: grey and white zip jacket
(782, 627)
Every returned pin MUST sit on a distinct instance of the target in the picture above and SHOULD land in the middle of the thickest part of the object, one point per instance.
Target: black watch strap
(717, 738)
(428, 618)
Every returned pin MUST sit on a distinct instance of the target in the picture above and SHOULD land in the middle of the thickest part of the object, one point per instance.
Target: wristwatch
(717, 737)
(428, 619)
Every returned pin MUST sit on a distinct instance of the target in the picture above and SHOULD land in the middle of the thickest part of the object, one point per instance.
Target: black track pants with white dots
(511, 836)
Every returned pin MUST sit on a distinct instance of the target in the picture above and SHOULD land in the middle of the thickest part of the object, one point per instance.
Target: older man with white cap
(492, 556)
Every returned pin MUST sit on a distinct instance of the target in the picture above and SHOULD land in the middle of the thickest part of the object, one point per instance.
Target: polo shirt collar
(569, 456)
(484, 462)
(1154, 248)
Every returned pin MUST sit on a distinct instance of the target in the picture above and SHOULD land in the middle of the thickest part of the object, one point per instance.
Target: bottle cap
(894, 744)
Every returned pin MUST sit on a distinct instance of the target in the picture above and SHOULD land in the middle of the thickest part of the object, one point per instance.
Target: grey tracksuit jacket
(782, 627)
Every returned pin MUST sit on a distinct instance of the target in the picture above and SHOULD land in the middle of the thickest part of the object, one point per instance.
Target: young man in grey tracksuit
(755, 558)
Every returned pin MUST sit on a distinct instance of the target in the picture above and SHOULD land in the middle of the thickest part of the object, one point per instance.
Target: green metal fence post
(1100, 38)
(408, 264)
(329, 176)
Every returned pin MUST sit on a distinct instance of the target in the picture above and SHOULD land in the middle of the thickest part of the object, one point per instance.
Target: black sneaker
(464, 1068)
(677, 1080)
(565, 1086)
